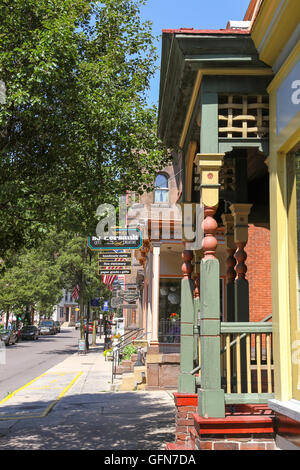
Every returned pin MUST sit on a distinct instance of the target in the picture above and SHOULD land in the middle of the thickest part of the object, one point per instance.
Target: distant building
(65, 310)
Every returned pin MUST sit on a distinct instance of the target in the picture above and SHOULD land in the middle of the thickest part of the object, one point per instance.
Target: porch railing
(169, 331)
(247, 362)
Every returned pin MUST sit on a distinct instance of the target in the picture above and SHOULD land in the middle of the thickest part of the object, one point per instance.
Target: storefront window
(169, 310)
(293, 171)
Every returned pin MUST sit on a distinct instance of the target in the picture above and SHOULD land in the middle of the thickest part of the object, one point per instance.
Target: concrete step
(128, 382)
(135, 380)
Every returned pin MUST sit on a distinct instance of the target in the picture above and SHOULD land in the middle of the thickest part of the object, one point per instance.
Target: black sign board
(113, 255)
(120, 270)
(113, 263)
(120, 239)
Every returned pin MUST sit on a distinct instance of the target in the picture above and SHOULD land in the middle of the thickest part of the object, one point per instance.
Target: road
(28, 359)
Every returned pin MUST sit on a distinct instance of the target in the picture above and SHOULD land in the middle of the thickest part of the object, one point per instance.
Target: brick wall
(259, 272)
(250, 442)
(186, 406)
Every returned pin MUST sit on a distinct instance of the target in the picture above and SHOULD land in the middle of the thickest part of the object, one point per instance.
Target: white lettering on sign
(296, 94)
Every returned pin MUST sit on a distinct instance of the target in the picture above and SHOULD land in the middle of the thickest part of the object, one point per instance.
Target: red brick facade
(245, 427)
(259, 272)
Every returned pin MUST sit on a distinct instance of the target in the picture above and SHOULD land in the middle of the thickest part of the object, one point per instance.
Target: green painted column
(210, 396)
(209, 123)
(186, 381)
(211, 400)
(196, 278)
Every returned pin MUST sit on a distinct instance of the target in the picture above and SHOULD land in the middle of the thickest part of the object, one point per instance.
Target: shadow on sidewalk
(107, 421)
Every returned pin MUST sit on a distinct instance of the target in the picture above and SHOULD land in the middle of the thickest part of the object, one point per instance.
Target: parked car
(57, 326)
(77, 324)
(30, 332)
(47, 327)
(8, 336)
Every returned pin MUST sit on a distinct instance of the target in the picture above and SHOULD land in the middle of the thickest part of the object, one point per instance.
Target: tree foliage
(75, 130)
(36, 277)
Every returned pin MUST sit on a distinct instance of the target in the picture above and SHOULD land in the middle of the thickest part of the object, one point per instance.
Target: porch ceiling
(184, 53)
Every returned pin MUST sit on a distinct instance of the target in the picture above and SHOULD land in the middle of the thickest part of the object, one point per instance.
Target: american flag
(75, 293)
(109, 279)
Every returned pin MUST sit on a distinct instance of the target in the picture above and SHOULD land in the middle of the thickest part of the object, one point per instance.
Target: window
(293, 184)
(161, 193)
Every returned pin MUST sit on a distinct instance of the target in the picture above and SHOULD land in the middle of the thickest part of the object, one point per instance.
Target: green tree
(79, 267)
(74, 131)
(32, 282)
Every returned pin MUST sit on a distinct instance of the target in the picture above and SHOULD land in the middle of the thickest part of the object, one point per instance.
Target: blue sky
(197, 14)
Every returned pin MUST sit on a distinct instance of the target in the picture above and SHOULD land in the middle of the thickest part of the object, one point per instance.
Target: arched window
(161, 193)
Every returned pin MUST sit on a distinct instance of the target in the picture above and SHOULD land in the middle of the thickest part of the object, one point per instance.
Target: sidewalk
(71, 407)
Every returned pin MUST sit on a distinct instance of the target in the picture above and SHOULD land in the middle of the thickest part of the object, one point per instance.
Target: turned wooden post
(230, 264)
(240, 214)
(211, 401)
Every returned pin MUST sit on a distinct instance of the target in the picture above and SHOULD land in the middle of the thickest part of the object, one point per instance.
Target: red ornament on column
(230, 263)
(197, 286)
(241, 256)
(209, 225)
(187, 268)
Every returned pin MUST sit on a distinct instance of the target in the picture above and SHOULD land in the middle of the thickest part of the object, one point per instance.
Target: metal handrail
(194, 371)
(119, 347)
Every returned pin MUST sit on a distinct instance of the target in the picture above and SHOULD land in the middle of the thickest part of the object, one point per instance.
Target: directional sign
(113, 255)
(120, 239)
(118, 271)
(114, 263)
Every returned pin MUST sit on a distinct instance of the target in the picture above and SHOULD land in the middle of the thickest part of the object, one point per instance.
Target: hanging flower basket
(174, 317)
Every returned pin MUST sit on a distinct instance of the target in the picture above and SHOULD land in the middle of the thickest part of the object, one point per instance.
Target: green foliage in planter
(128, 351)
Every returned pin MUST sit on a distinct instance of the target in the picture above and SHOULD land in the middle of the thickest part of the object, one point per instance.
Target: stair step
(173, 446)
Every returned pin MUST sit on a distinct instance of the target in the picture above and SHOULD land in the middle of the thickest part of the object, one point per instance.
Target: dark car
(57, 326)
(8, 337)
(30, 332)
(47, 327)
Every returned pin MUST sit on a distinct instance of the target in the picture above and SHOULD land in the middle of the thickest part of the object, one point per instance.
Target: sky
(197, 14)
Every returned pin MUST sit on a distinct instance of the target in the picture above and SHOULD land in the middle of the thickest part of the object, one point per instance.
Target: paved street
(28, 359)
(70, 407)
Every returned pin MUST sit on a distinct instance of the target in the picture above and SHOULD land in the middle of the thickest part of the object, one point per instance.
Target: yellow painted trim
(191, 108)
(280, 277)
(293, 140)
(216, 71)
(281, 30)
(263, 20)
(293, 275)
(286, 68)
(189, 170)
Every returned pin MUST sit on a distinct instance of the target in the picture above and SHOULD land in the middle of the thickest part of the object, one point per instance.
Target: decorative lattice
(243, 116)
(227, 175)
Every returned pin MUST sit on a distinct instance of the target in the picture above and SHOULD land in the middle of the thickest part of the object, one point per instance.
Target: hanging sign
(120, 239)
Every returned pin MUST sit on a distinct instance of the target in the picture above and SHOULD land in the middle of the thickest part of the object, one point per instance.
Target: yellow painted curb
(21, 388)
(48, 409)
